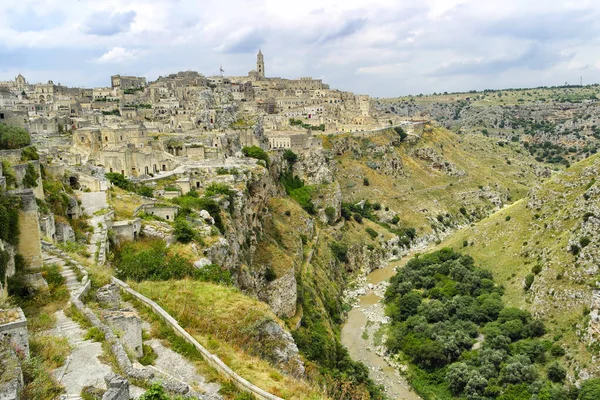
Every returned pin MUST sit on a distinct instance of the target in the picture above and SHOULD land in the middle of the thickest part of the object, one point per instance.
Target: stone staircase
(98, 241)
(82, 367)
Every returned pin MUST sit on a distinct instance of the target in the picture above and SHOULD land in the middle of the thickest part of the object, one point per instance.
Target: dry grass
(52, 349)
(225, 321)
(425, 192)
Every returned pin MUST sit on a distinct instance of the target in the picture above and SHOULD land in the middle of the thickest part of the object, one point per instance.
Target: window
(1, 115)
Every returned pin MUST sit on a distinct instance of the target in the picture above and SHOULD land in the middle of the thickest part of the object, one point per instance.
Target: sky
(383, 48)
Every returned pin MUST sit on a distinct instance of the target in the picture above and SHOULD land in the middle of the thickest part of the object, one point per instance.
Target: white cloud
(117, 55)
(380, 47)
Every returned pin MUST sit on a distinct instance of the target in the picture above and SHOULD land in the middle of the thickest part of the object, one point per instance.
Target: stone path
(174, 365)
(82, 368)
(98, 239)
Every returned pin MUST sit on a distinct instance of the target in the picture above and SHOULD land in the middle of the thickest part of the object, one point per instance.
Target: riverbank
(363, 332)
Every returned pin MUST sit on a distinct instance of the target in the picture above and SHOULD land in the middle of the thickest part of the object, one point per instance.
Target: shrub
(214, 273)
(290, 156)
(145, 191)
(400, 133)
(372, 232)
(29, 153)
(330, 213)
(31, 176)
(366, 181)
(270, 274)
(119, 180)
(574, 249)
(395, 220)
(340, 251)
(557, 350)
(183, 231)
(584, 241)
(590, 390)
(256, 152)
(556, 372)
(13, 137)
(507, 218)
(9, 173)
(149, 260)
(95, 334)
(149, 356)
(529, 281)
(536, 269)
(216, 188)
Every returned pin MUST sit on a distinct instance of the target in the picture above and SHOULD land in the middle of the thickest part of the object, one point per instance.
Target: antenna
(581, 81)
(221, 70)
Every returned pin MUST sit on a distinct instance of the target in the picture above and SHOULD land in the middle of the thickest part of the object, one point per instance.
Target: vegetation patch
(441, 305)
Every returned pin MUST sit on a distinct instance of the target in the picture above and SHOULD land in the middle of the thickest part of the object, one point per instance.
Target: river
(359, 334)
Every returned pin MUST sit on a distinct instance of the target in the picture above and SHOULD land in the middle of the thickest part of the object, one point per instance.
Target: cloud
(117, 55)
(107, 24)
(242, 41)
(349, 28)
(387, 48)
(536, 58)
(30, 20)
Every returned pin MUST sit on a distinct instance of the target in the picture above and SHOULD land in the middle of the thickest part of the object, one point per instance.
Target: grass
(149, 356)
(94, 334)
(226, 322)
(53, 350)
(538, 237)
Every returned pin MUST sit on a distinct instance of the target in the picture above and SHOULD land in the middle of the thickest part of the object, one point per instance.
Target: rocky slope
(545, 248)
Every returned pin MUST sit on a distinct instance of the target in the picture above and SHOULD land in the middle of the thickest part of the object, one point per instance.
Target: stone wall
(29, 243)
(16, 331)
(20, 170)
(118, 388)
(11, 382)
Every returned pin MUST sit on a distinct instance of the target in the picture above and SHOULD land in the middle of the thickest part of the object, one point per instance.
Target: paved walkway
(83, 367)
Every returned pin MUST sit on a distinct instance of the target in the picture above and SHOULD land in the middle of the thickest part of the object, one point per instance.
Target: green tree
(13, 137)
(590, 390)
(556, 372)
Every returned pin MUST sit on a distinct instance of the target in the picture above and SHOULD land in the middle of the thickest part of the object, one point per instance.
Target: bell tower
(260, 64)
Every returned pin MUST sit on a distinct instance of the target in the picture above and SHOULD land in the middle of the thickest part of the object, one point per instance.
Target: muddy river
(359, 334)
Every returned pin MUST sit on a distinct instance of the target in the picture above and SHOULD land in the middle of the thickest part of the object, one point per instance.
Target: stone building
(119, 82)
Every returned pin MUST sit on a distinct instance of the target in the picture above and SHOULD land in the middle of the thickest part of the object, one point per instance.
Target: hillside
(435, 182)
(544, 250)
(558, 125)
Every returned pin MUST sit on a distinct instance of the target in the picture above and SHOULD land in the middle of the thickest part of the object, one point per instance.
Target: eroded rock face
(315, 167)
(437, 162)
(281, 295)
(284, 352)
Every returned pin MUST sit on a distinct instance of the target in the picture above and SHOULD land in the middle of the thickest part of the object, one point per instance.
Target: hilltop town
(139, 128)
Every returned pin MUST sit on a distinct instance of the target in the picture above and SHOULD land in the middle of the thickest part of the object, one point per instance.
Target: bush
(507, 218)
(330, 214)
(183, 231)
(13, 137)
(270, 274)
(290, 156)
(529, 281)
(145, 191)
(213, 273)
(119, 180)
(372, 232)
(400, 133)
(340, 251)
(366, 181)
(31, 176)
(149, 260)
(9, 173)
(256, 152)
(556, 372)
(149, 356)
(95, 334)
(557, 350)
(216, 188)
(590, 390)
(584, 241)
(29, 153)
